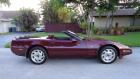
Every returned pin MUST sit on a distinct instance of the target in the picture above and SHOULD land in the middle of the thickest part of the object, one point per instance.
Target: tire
(108, 55)
(38, 55)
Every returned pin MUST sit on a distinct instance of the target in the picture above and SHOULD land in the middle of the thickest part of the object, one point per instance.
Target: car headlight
(126, 50)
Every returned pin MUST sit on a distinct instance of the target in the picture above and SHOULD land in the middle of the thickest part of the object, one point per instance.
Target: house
(124, 18)
(6, 18)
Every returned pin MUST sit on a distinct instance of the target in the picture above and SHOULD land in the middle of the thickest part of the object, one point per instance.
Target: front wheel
(108, 55)
(38, 55)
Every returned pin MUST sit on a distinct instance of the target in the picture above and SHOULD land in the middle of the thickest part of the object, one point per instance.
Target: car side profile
(38, 50)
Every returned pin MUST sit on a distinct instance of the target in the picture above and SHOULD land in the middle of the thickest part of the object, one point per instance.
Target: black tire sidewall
(101, 51)
(40, 48)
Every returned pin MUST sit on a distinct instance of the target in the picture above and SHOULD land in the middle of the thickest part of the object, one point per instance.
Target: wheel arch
(27, 54)
(111, 46)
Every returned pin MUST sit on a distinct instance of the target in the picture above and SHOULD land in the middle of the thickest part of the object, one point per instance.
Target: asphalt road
(15, 67)
(7, 38)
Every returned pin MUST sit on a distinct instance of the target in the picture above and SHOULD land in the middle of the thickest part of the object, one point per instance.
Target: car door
(92, 47)
(68, 48)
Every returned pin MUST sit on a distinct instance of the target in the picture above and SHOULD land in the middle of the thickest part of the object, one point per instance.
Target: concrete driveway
(7, 38)
(15, 67)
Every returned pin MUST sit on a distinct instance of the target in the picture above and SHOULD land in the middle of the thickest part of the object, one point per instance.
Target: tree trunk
(111, 22)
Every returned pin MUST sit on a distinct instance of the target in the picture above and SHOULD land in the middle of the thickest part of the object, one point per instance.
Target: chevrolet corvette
(38, 50)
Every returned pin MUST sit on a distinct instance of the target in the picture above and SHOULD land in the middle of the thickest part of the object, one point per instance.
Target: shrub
(132, 29)
(84, 25)
(117, 31)
(97, 30)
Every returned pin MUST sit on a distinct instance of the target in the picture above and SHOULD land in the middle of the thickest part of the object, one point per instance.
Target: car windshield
(72, 35)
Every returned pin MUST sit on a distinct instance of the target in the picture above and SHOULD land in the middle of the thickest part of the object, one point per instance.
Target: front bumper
(123, 49)
(124, 52)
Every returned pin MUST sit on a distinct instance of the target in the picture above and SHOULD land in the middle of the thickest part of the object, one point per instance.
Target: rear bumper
(17, 50)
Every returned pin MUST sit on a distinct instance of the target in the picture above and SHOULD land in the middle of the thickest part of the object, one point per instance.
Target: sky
(17, 4)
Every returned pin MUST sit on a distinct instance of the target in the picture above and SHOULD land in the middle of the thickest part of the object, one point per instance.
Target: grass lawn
(45, 34)
(8, 45)
(5, 33)
(131, 39)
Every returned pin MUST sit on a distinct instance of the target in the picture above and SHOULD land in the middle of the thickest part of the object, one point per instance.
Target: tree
(49, 10)
(109, 7)
(103, 6)
(56, 11)
(66, 15)
(129, 3)
(26, 19)
(88, 6)
(4, 2)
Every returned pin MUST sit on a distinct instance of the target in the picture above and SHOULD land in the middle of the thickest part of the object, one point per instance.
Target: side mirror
(74, 41)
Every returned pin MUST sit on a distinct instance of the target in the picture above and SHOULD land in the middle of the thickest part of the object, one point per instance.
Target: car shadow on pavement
(63, 61)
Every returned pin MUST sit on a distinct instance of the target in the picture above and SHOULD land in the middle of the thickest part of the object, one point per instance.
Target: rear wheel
(38, 55)
(108, 55)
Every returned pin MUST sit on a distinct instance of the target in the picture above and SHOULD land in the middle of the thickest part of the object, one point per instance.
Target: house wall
(123, 21)
(137, 21)
(4, 26)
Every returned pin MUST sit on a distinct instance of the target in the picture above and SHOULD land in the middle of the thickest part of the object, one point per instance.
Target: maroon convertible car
(38, 50)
